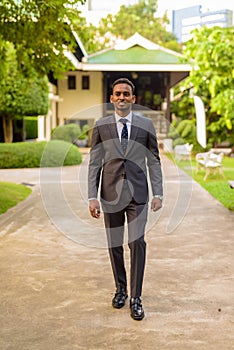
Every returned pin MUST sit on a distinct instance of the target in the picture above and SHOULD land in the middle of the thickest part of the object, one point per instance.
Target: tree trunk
(7, 129)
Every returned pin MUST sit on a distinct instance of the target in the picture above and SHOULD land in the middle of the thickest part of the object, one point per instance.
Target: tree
(136, 18)
(40, 31)
(21, 94)
(89, 36)
(212, 77)
(33, 38)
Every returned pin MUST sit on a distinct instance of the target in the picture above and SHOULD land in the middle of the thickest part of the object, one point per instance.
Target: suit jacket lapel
(134, 127)
(114, 133)
(134, 130)
(113, 128)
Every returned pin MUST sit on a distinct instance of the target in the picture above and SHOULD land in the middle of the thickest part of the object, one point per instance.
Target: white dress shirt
(120, 125)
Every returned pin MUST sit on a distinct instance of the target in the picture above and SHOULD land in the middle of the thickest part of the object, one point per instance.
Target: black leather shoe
(119, 299)
(137, 312)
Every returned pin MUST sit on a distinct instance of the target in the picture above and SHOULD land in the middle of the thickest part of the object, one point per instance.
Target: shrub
(38, 154)
(184, 131)
(84, 132)
(68, 132)
(178, 141)
(187, 130)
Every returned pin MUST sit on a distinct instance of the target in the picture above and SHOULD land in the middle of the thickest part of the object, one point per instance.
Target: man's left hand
(156, 204)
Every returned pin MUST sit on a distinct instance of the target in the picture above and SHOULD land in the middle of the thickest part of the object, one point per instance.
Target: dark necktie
(124, 134)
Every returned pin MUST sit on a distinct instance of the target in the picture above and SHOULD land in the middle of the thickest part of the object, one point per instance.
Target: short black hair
(123, 81)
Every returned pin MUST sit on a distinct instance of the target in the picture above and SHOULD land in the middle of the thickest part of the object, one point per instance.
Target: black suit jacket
(109, 165)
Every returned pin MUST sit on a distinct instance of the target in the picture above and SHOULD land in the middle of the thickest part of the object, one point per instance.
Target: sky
(164, 5)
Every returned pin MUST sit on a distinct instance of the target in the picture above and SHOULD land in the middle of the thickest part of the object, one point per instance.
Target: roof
(136, 53)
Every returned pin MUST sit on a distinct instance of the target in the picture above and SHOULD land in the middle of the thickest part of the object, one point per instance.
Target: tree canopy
(210, 52)
(34, 36)
(20, 94)
(40, 31)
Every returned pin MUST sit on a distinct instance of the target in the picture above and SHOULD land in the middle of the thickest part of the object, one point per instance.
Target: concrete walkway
(56, 282)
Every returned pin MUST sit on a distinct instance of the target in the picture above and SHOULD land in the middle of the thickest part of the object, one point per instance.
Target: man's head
(123, 81)
(123, 96)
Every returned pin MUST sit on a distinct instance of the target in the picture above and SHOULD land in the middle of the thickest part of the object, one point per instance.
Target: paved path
(56, 282)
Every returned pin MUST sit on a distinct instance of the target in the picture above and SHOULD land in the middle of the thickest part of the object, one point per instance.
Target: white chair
(210, 162)
(231, 184)
(183, 151)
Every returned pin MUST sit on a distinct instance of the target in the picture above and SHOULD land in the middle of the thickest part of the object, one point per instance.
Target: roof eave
(135, 67)
(80, 44)
(72, 58)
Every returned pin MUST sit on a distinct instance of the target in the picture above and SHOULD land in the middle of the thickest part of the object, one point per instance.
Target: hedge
(68, 132)
(38, 154)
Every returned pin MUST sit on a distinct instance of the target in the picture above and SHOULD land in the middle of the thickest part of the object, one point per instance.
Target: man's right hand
(94, 208)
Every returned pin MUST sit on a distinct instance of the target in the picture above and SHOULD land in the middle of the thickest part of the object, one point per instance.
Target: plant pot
(82, 143)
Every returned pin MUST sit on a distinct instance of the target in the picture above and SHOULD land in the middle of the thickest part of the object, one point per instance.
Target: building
(185, 20)
(84, 93)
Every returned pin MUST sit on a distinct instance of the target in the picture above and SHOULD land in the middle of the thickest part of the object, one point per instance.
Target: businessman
(123, 147)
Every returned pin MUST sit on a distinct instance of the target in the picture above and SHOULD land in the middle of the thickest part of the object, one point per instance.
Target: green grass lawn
(216, 185)
(11, 194)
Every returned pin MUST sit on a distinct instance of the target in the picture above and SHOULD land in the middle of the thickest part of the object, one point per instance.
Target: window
(85, 82)
(71, 82)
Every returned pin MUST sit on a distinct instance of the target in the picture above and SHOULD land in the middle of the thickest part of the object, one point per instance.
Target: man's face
(122, 98)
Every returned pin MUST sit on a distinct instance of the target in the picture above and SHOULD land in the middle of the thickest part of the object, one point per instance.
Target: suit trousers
(114, 218)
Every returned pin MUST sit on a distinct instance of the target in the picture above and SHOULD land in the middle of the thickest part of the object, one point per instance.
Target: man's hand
(94, 208)
(156, 204)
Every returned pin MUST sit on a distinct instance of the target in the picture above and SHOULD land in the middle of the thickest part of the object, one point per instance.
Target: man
(122, 145)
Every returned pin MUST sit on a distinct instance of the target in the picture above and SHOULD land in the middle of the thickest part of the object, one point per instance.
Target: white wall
(78, 103)
(48, 122)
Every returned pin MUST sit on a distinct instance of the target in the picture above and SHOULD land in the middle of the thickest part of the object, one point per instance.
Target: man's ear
(133, 98)
(111, 98)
